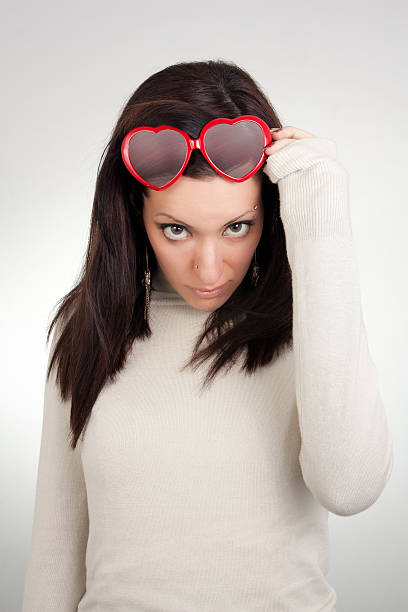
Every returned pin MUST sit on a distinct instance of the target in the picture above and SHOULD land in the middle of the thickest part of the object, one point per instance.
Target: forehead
(197, 198)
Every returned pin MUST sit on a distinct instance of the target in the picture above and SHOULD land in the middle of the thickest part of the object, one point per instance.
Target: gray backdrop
(336, 70)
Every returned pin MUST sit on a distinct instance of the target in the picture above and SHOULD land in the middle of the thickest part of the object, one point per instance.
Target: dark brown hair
(100, 318)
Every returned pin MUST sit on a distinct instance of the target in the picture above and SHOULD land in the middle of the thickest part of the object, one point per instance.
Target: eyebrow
(191, 227)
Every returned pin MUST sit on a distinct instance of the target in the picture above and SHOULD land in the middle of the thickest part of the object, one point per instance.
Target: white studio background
(337, 70)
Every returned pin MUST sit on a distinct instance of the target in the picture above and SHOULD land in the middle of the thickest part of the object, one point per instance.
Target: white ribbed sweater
(178, 501)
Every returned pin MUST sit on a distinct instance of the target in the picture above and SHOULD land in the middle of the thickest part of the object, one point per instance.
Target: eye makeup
(190, 227)
(247, 222)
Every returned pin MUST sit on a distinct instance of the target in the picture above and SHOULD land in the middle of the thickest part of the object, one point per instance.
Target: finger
(290, 131)
(277, 145)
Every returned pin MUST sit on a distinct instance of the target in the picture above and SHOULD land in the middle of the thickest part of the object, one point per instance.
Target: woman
(194, 488)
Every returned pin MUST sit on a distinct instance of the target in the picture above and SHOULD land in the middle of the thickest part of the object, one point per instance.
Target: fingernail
(275, 129)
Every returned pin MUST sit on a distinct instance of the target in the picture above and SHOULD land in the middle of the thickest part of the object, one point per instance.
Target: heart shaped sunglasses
(234, 148)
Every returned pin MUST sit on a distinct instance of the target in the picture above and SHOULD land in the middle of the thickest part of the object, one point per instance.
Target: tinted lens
(235, 148)
(157, 157)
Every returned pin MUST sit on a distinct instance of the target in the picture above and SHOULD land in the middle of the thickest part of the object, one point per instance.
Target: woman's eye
(173, 235)
(240, 225)
(175, 232)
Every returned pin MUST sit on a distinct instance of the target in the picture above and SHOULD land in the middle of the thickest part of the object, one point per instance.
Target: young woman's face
(204, 222)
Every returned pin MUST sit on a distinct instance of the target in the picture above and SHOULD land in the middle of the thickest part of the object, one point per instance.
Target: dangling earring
(255, 272)
(146, 283)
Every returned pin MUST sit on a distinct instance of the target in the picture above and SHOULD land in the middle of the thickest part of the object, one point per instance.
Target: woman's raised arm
(346, 451)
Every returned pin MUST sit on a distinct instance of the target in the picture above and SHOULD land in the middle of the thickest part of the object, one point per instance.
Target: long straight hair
(98, 321)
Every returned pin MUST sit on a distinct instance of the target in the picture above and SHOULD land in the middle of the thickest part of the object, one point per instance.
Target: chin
(208, 305)
(208, 308)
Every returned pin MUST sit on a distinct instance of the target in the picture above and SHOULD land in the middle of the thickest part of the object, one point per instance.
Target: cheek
(257, 234)
(156, 240)
(253, 240)
(166, 253)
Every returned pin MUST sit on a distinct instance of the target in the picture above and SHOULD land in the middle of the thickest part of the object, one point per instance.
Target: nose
(210, 260)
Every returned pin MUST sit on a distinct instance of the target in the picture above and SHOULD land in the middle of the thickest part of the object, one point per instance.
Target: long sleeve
(346, 452)
(55, 576)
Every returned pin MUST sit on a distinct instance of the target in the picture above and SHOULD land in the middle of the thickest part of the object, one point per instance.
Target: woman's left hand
(282, 137)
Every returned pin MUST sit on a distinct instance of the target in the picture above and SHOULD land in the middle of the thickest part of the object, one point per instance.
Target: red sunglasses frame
(192, 144)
